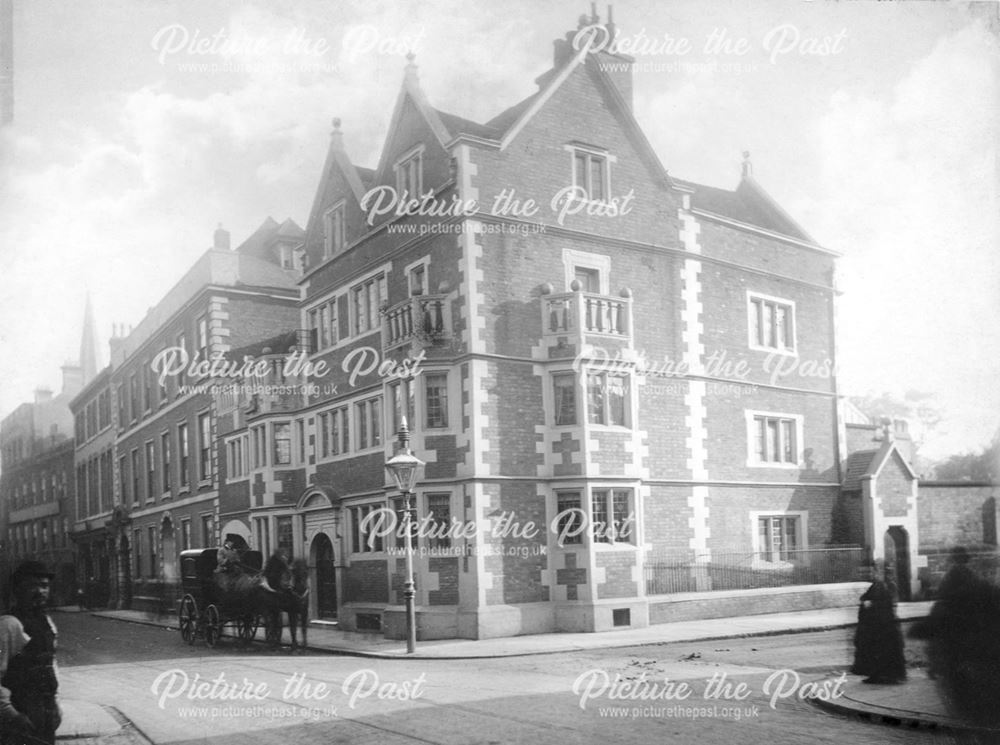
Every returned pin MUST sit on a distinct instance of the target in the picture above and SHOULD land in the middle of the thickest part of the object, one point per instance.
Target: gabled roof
(513, 120)
(884, 455)
(411, 91)
(259, 237)
(358, 179)
(867, 464)
(748, 203)
(259, 246)
(290, 229)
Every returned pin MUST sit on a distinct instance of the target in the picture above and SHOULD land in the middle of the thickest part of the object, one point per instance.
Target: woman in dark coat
(878, 642)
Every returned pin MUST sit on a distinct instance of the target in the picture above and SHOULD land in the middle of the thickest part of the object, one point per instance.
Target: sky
(140, 126)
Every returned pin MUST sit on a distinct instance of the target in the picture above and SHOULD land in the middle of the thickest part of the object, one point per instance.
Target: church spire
(89, 353)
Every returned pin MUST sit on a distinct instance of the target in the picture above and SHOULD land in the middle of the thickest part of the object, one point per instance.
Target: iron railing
(690, 571)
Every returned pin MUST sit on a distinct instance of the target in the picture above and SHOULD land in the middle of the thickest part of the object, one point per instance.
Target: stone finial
(410, 71)
(747, 165)
(336, 136)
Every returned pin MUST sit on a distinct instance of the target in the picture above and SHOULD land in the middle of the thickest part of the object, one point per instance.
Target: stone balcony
(425, 319)
(571, 321)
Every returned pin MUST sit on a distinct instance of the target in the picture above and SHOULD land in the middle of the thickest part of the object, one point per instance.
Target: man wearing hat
(29, 714)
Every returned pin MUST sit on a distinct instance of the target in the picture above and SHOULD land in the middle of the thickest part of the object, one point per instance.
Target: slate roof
(857, 466)
(256, 272)
(744, 204)
(457, 125)
(290, 229)
(869, 462)
(506, 118)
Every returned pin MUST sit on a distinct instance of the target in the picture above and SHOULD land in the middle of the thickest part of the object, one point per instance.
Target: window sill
(781, 466)
(774, 350)
(609, 427)
(334, 458)
(616, 546)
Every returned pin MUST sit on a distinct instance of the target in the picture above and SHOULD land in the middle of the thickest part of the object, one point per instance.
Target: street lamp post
(403, 468)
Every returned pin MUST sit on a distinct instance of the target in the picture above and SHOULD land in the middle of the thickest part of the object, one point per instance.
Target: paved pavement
(917, 702)
(327, 638)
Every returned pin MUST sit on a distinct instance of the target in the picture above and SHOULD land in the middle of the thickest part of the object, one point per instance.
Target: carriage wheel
(213, 626)
(246, 627)
(188, 619)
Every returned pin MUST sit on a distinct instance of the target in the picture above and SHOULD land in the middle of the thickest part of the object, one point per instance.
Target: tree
(981, 466)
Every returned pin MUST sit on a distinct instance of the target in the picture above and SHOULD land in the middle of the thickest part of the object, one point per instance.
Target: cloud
(909, 184)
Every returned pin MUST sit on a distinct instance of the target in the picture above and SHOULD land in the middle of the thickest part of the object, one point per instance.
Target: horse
(246, 594)
(288, 585)
(296, 601)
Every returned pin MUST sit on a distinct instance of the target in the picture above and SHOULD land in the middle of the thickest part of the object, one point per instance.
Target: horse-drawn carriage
(233, 587)
(218, 596)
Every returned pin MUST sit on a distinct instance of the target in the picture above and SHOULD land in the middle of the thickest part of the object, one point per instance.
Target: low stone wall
(693, 606)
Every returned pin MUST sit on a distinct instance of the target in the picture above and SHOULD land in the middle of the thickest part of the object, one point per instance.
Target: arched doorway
(897, 560)
(326, 577)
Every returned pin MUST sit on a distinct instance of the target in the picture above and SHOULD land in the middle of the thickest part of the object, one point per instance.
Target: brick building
(37, 479)
(611, 358)
(91, 526)
(165, 465)
(622, 384)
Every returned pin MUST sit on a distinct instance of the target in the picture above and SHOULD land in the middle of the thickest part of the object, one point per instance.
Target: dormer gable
(336, 220)
(414, 158)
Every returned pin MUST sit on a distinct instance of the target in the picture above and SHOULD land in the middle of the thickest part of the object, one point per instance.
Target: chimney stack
(116, 344)
(563, 50)
(220, 239)
(72, 378)
(42, 395)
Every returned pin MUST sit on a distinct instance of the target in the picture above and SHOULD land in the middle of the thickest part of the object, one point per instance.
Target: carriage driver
(29, 713)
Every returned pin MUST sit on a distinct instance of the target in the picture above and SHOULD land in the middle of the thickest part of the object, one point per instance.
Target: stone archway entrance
(897, 557)
(326, 576)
